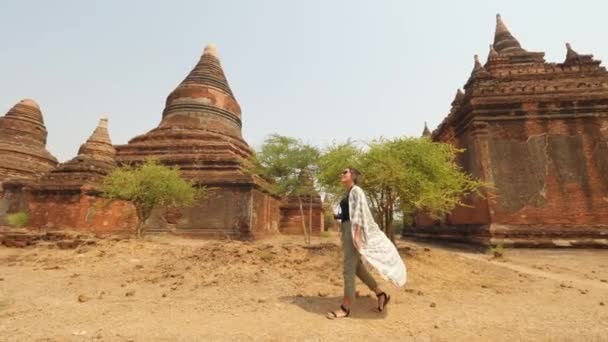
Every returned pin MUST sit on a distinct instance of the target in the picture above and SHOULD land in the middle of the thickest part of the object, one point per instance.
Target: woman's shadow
(362, 308)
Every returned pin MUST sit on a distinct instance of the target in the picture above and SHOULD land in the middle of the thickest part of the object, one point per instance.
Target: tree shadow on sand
(362, 308)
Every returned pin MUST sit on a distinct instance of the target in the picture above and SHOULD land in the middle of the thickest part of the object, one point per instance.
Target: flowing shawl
(376, 249)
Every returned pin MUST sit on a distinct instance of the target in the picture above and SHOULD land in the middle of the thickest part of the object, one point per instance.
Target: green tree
(148, 186)
(290, 165)
(402, 174)
(333, 160)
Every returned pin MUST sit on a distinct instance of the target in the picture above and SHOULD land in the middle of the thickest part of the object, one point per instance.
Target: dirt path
(278, 290)
(563, 278)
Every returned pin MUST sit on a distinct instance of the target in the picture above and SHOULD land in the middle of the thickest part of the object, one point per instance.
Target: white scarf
(376, 249)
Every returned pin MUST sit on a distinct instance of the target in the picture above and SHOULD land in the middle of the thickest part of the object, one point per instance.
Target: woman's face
(346, 178)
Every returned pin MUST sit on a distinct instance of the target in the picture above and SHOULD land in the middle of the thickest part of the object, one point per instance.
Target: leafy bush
(409, 175)
(18, 220)
(498, 250)
(149, 186)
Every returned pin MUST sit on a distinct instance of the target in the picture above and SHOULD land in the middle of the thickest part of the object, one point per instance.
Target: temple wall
(476, 208)
(265, 213)
(550, 172)
(291, 218)
(549, 185)
(225, 212)
(476, 211)
(11, 201)
(80, 212)
(291, 221)
(235, 212)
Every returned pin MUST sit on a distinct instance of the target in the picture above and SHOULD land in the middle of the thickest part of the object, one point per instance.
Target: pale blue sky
(316, 70)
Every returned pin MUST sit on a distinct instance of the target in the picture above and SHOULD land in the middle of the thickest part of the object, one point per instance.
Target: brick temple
(538, 132)
(23, 154)
(309, 203)
(199, 132)
(69, 196)
(23, 143)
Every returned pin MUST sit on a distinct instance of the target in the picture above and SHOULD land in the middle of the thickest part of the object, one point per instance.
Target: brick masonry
(200, 133)
(291, 216)
(538, 133)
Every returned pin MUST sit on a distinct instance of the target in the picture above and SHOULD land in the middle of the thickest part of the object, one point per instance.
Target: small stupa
(85, 172)
(23, 153)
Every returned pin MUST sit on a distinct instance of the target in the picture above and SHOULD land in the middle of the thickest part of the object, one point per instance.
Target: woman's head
(350, 176)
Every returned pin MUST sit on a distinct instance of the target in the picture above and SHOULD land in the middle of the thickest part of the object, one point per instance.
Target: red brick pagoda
(200, 132)
(23, 153)
(69, 196)
(538, 132)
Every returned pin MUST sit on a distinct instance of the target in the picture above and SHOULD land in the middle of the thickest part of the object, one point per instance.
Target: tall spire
(458, 98)
(504, 41)
(477, 66)
(85, 172)
(208, 71)
(570, 53)
(99, 146)
(426, 132)
(200, 130)
(204, 100)
(100, 134)
(573, 57)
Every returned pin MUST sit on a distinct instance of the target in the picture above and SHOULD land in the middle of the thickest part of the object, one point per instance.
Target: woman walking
(364, 242)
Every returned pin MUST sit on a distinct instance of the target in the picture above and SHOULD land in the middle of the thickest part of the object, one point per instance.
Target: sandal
(334, 315)
(387, 299)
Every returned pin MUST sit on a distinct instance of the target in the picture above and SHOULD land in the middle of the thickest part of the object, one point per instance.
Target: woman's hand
(357, 237)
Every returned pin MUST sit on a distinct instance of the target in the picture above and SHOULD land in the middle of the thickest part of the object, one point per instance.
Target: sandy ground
(172, 289)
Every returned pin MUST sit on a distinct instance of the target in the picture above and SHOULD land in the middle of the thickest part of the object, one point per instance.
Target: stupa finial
(503, 39)
(573, 57)
(103, 122)
(458, 98)
(492, 52)
(211, 49)
(478, 65)
(426, 132)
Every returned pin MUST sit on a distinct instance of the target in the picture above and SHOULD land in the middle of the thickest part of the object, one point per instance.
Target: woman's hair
(354, 174)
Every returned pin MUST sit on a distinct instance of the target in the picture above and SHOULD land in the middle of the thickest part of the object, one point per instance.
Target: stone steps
(21, 238)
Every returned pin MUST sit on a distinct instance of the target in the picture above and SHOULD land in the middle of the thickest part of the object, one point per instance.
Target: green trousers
(353, 265)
